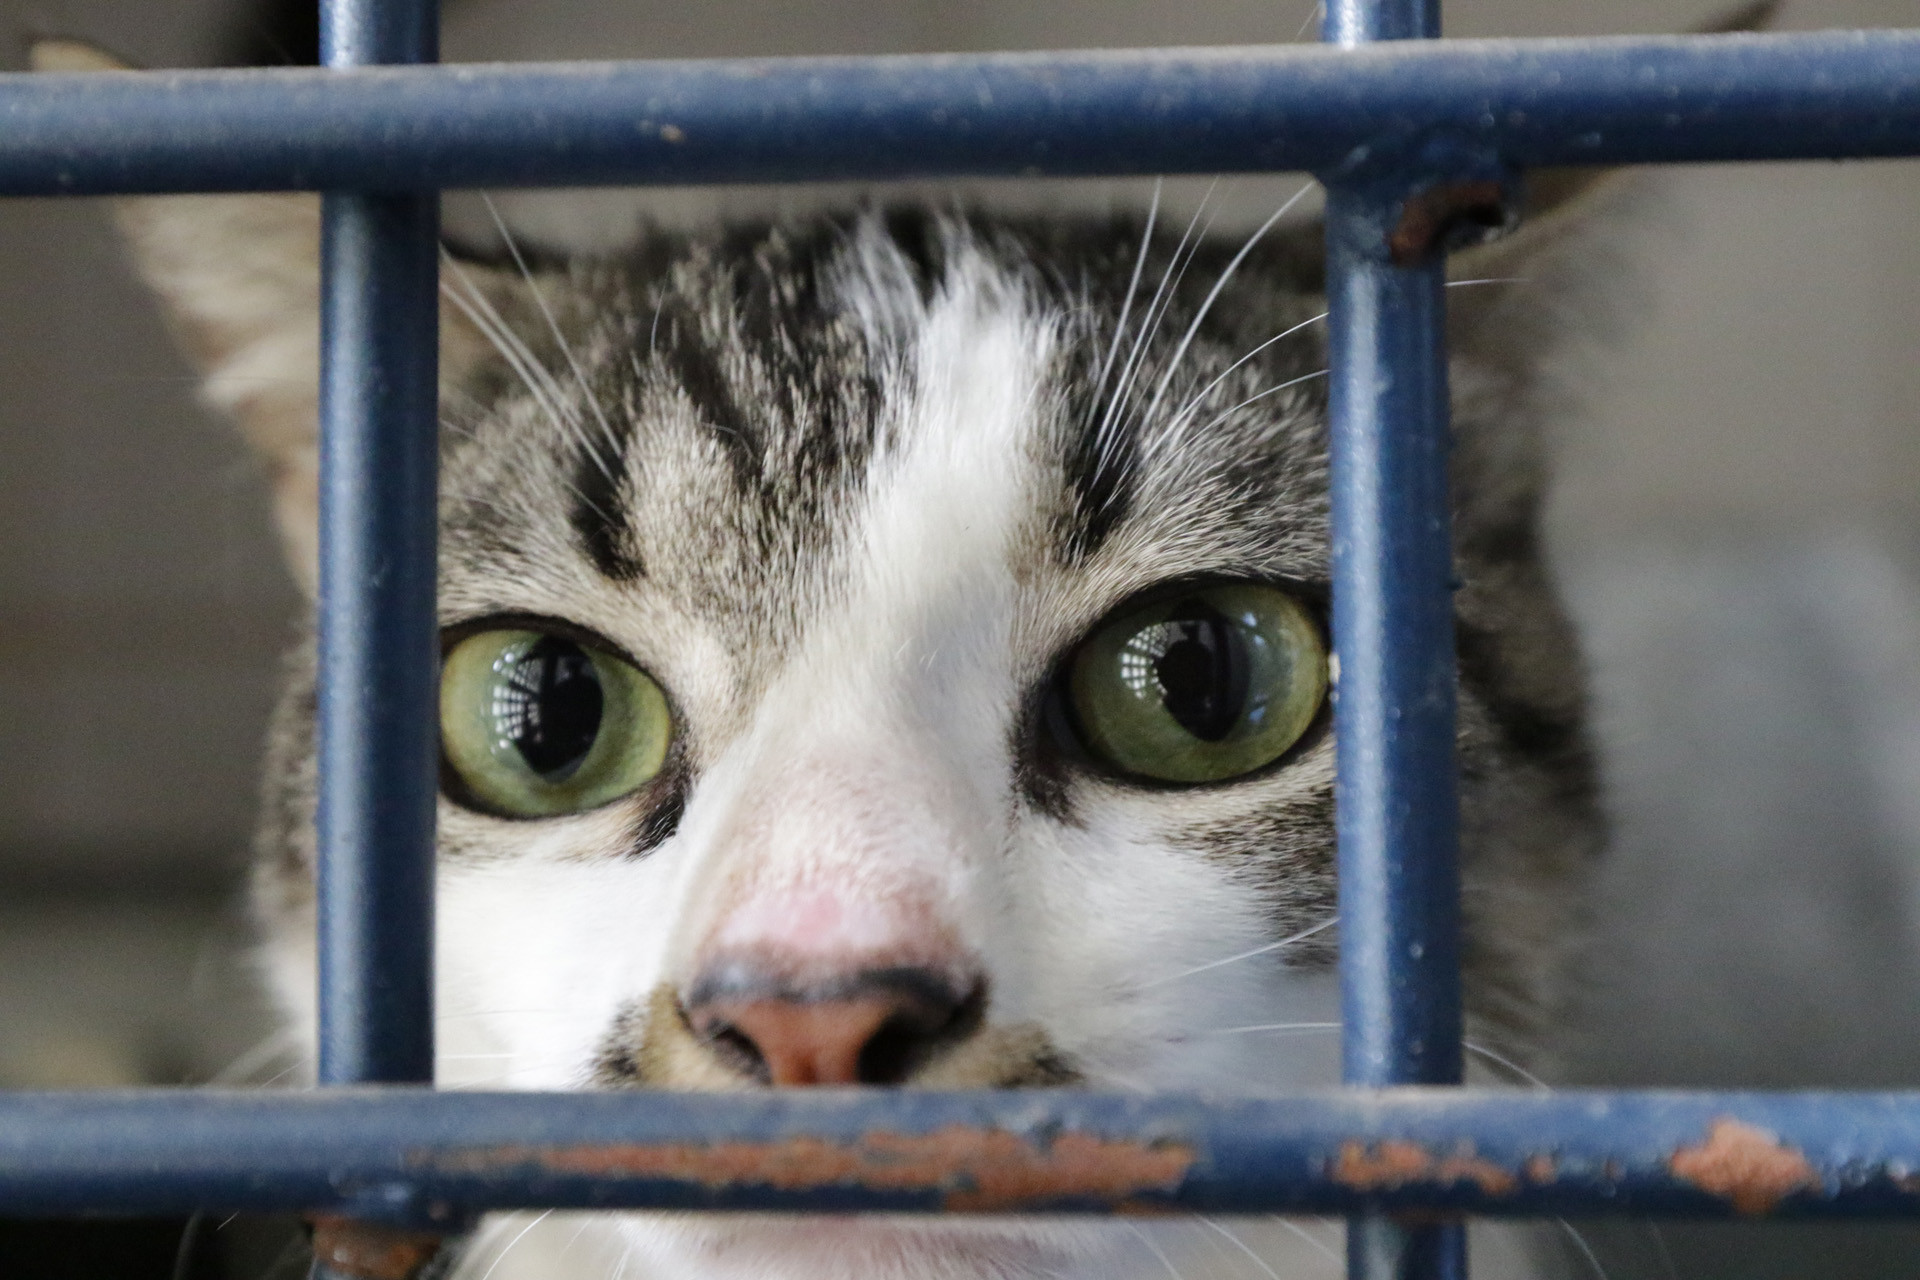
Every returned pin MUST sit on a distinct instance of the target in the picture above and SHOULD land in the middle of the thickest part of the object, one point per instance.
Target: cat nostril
(876, 1029)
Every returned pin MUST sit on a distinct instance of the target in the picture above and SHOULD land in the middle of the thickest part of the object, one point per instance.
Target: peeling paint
(974, 1170)
(368, 1251)
(1448, 216)
(1745, 1165)
(1388, 1166)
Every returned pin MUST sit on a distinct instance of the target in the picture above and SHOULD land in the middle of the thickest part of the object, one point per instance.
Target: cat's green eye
(1199, 686)
(535, 724)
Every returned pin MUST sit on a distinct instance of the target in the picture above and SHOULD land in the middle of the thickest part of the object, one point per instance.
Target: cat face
(892, 650)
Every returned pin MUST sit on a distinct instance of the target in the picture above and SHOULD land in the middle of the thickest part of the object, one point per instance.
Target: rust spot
(1745, 1165)
(1390, 1165)
(368, 1251)
(1432, 219)
(976, 1169)
(1541, 1169)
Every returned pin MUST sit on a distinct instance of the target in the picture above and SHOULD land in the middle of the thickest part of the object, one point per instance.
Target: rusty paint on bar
(1448, 216)
(975, 1170)
(428, 1161)
(1746, 1166)
(1388, 1166)
(371, 1251)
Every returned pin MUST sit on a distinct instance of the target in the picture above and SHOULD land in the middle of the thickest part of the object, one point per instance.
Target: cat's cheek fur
(754, 1247)
(536, 958)
(1125, 937)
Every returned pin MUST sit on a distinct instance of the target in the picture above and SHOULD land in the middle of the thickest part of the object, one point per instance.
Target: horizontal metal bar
(422, 1155)
(1538, 102)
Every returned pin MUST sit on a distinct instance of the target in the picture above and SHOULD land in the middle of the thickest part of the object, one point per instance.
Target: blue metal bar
(365, 33)
(1502, 1153)
(1349, 23)
(1538, 102)
(379, 649)
(1398, 813)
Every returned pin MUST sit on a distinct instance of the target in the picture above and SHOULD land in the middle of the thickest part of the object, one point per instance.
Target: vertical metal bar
(1393, 634)
(1351, 22)
(378, 643)
(1393, 630)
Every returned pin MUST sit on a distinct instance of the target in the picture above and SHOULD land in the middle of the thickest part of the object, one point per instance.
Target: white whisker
(1205, 391)
(264, 1052)
(1176, 421)
(1222, 416)
(278, 1076)
(1156, 1251)
(1149, 325)
(1586, 1250)
(559, 338)
(1509, 1064)
(1308, 1236)
(1133, 290)
(1288, 941)
(1223, 1261)
(1277, 1026)
(1666, 1254)
(484, 316)
(1213, 295)
(1241, 1245)
(577, 1233)
(502, 1255)
(538, 380)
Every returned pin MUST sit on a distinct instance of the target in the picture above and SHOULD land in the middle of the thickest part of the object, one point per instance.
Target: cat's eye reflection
(1200, 685)
(535, 724)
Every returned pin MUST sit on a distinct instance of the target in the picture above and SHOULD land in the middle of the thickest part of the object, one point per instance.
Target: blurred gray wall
(1737, 517)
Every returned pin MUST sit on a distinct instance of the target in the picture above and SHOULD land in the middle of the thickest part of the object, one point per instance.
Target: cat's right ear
(239, 277)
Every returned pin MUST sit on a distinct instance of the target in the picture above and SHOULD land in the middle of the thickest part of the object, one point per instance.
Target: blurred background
(1736, 519)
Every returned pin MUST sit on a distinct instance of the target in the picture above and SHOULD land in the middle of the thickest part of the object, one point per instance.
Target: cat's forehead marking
(763, 426)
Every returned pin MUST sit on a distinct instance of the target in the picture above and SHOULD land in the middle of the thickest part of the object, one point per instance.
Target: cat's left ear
(239, 276)
(1510, 300)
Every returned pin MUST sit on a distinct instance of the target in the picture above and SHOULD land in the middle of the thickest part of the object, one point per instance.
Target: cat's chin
(830, 1247)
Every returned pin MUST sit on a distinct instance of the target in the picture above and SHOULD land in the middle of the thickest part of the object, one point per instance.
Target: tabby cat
(891, 648)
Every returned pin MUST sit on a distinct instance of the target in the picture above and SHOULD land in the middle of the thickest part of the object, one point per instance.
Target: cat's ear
(1565, 277)
(239, 277)
(1567, 214)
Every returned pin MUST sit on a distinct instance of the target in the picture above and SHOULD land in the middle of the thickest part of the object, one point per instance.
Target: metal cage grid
(1410, 137)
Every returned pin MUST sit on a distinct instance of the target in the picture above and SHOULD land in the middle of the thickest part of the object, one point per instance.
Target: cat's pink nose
(873, 1027)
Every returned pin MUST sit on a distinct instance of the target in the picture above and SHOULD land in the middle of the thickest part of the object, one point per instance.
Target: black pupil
(549, 707)
(1202, 670)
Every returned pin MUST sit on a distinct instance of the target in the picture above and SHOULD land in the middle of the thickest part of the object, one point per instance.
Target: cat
(890, 647)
